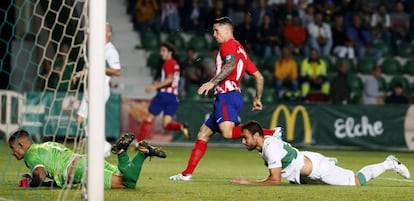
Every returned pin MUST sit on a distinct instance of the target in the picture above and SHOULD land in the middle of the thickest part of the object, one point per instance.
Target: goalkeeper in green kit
(52, 160)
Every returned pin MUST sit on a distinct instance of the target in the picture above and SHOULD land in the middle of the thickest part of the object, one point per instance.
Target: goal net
(42, 44)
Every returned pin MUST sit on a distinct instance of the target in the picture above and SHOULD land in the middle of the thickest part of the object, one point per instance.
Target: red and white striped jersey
(228, 50)
(171, 67)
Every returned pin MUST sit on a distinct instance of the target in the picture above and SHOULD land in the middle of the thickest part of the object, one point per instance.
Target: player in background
(166, 99)
(52, 160)
(113, 68)
(231, 63)
(285, 161)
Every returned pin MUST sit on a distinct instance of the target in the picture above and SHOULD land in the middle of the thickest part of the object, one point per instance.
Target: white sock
(375, 170)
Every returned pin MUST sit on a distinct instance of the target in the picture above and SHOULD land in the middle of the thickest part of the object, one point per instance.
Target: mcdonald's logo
(290, 117)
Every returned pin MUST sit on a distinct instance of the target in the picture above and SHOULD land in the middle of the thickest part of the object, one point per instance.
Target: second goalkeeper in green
(52, 160)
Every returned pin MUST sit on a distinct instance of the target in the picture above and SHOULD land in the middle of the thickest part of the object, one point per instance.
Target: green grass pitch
(212, 176)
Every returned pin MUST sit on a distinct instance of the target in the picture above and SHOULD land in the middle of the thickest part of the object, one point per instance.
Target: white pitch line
(4, 199)
(400, 180)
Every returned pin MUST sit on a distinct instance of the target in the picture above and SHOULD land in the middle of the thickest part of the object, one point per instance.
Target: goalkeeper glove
(25, 180)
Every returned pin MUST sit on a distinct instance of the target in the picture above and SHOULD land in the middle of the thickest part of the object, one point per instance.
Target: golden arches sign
(290, 118)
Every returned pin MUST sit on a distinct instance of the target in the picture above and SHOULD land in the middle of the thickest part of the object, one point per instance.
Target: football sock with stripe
(373, 171)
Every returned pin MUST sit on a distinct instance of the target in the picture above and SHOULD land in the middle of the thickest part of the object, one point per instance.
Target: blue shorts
(164, 102)
(227, 107)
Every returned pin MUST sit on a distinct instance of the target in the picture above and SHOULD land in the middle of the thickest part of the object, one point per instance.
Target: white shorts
(327, 172)
(83, 107)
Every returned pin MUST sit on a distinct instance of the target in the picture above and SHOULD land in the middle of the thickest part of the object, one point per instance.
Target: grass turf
(212, 176)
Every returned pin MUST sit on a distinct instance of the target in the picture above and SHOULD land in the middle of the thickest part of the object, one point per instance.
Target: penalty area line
(399, 180)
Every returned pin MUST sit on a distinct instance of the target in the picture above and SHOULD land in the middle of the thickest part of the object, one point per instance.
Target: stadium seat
(402, 80)
(365, 65)
(154, 61)
(298, 58)
(384, 48)
(405, 51)
(180, 55)
(198, 43)
(191, 94)
(350, 62)
(268, 64)
(151, 42)
(391, 66)
(329, 64)
(177, 40)
(247, 97)
(255, 59)
(268, 96)
(356, 85)
(268, 80)
(247, 82)
(409, 67)
(383, 86)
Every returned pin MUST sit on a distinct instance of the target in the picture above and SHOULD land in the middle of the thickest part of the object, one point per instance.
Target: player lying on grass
(283, 160)
(51, 160)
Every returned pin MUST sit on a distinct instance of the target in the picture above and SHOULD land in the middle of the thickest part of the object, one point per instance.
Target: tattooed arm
(228, 67)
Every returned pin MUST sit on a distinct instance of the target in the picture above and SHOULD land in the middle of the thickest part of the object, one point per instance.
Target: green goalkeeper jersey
(53, 157)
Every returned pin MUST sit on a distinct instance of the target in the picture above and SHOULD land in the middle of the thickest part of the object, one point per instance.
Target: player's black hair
(253, 127)
(170, 47)
(223, 20)
(18, 134)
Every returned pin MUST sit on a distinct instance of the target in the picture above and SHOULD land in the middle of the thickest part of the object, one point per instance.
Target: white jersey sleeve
(112, 56)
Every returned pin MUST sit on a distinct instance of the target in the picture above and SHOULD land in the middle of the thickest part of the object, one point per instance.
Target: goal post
(96, 119)
(42, 45)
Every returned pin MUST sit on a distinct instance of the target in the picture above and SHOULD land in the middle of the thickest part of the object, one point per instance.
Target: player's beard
(251, 147)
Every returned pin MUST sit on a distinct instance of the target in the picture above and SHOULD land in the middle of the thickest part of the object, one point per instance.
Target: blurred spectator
(286, 74)
(342, 46)
(328, 7)
(320, 35)
(340, 92)
(209, 64)
(372, 94)
(63, 70)
(295, 34)
(268, 36)
(237, 11)
(170, 17)
(362, 39)
(131, 9)
(191, 71)
(366, 9)
(259, 13)
(218, 11)
(147, 18)
(397, 96)
(313, 74)
(349, 9)
(287, 11)
(193, 16)
(307, 16)
(400, 24)
(246, 33)
(381, 24)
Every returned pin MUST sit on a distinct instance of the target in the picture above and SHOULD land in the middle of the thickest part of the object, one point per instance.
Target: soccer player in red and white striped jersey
(231, 63)
(166, 100)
